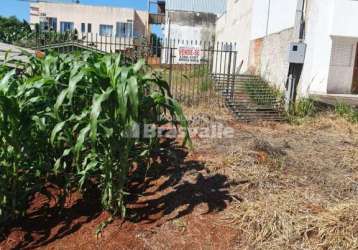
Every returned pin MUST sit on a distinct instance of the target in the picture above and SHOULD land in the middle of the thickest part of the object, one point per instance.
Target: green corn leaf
(132, 92)
(60, 99)
(125, 73)
(40, 122)
(108, 131)
(81, 139)
(96, 110)
(74, 80)
(84, 173)
(56, 130)
(58, 162)
(4, 83)
(139, 65)
(122, 100)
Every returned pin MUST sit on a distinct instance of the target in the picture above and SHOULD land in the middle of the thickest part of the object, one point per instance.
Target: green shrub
(12, 29)
(68, 117)
(346, 111)
(305, 107)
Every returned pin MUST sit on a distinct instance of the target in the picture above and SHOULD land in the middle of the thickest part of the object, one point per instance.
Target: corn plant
(23, 147)
(73, 115)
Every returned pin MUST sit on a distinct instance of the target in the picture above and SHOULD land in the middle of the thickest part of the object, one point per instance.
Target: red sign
(189, 55)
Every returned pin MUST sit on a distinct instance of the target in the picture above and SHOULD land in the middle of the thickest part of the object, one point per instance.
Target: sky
(20, 9)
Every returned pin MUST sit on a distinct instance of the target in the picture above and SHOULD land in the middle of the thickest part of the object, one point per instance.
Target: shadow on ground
(174, 186)
(171, 188)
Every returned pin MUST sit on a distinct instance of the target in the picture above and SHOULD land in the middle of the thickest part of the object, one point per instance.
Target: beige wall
(341, 68)
(235, 26)
(273, 65)
(96, 15)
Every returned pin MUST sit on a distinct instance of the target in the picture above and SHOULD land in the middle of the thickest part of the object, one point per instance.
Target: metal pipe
(299, 21)
(268, 17)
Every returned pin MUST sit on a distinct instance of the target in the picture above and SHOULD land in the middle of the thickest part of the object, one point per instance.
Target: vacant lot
(273, 186)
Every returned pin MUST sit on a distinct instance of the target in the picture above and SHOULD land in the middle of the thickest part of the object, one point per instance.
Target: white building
(192, 20)
(264, 29)
(189, 27)
(101, 20)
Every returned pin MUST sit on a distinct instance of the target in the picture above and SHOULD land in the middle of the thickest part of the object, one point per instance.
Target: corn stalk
(70, 116)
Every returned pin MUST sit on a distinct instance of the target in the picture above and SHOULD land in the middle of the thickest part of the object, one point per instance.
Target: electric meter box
(297, 53)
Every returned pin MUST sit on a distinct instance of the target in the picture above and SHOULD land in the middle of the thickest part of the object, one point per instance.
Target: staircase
(249, 98)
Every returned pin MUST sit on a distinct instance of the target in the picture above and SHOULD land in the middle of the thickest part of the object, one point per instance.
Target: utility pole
(296, 58)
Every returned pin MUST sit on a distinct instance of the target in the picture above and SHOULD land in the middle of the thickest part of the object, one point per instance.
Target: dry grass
(295, 186)
(290, 220)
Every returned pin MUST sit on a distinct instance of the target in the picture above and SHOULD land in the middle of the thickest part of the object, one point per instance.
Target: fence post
(170, 66)
(233, 76)
(229, 74)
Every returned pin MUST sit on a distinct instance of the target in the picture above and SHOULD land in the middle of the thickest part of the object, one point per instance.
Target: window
(124, 29)
(48, 24)
(52, 21)
(83, 27)
(66, 26)
(44, 26)
(89, 28)
(105, 30)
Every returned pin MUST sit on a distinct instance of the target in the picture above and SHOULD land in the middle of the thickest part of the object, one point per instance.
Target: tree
(13, 30)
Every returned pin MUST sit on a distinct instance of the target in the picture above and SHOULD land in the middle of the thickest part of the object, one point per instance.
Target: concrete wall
(330, 24)
(341, 69)
(235, 26)
(141, 25)
(96, 15)
(189, 29)
(345, 18)
(190, 26)
(315, 72)
(274, 64)
(272, 16)
(255, 56)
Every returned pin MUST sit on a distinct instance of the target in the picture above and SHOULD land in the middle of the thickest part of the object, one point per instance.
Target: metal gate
(200, 71)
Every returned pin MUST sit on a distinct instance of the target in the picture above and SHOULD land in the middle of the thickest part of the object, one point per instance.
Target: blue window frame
(105, 30)
(89, 28)
(83, 27)
(124, 29)
(49, 24)
(66, 26)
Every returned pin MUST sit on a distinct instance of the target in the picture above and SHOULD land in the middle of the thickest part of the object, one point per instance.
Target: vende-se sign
(188, 55)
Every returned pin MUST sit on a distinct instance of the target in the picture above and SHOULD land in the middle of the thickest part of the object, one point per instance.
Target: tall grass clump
(71, 118)
(305, 107)
(301, 110)
(347, 112)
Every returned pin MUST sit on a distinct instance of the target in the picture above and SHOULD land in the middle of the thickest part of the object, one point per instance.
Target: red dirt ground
(176, 208)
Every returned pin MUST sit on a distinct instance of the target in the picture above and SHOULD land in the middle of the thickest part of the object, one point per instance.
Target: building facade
(192, 20)
(265, 28)
(189, 26)
(100, 20)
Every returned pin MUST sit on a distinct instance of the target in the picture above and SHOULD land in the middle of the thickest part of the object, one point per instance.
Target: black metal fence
(197, 71)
